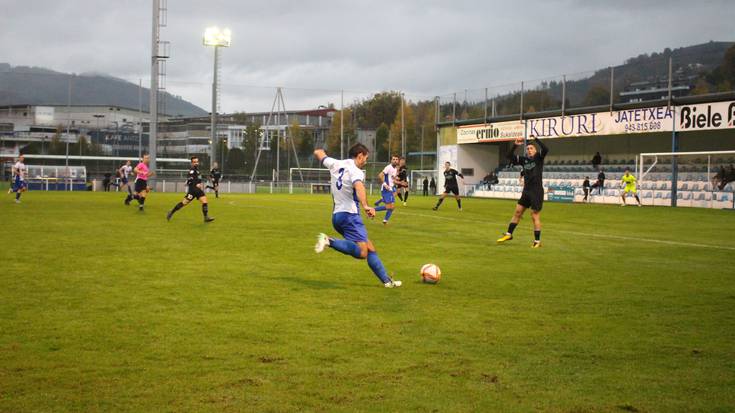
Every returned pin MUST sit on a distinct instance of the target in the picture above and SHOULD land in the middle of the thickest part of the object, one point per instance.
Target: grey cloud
(424, 47)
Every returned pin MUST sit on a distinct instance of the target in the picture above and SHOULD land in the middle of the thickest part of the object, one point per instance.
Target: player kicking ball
(194, 190)
(348, 194)
(629, 186)
(387, 176)
(533, 189)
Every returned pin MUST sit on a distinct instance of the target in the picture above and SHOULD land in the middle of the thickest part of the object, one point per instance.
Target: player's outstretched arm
(544, 149)
(320, 154)
(512, 157)
(362, 198)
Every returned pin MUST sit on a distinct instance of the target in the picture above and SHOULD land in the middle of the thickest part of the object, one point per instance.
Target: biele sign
(720, 115)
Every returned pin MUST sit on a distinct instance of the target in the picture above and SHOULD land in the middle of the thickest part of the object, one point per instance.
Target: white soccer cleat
(393, 284)
(17, 201)
(322, 241)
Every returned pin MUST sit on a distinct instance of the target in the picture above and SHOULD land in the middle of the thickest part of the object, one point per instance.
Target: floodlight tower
(159, 54)
(216, 38)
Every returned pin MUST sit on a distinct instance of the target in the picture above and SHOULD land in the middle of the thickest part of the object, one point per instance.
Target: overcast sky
(424, 48)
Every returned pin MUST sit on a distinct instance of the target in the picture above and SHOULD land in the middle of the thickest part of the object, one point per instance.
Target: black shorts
(140, 185)
(194, 192)
(532, 198)
(452, 189)
(215, 182)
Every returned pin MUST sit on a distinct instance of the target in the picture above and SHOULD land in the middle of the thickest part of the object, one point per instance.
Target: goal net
(697, 179)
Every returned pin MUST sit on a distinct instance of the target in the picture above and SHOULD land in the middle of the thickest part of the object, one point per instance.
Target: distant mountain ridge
(23, 85)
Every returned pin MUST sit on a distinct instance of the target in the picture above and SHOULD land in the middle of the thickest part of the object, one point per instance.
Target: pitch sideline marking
(618, 237)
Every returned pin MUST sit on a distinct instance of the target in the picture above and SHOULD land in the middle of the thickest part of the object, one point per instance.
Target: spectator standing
(596, 160)
(586, 188)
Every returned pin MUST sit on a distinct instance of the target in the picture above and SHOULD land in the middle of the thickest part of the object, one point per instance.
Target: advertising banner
(560, 193)
(706, 116)
(490, 132)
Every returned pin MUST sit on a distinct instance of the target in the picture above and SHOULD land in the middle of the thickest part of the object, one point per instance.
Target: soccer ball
(430, 273)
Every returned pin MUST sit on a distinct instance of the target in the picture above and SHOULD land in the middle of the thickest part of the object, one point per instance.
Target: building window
(468, 171)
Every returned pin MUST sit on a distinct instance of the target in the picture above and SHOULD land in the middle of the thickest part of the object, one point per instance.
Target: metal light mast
(216, 38)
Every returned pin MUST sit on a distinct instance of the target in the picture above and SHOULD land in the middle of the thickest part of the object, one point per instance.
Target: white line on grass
(618, 237)
(586, 234)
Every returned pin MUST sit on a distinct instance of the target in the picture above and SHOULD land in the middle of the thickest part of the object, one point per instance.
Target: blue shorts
(388, 196)
(350, 226)
(18, 184)
(124, 180)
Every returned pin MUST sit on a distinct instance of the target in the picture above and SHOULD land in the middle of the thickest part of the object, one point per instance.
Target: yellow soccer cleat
(506, 237)
(536, 244)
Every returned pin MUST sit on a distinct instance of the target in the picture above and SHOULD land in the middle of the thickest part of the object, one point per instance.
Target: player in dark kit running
(194, 185)
(450, 185)
(533, 188)
(402, 181)
(215, 175)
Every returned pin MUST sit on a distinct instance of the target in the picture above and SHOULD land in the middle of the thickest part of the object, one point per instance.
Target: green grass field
(103, 308)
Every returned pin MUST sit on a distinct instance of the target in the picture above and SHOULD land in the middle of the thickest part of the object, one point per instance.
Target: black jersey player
(451, 186)
(402, 181)
(532, 196)
(194, 190)
(215, 175)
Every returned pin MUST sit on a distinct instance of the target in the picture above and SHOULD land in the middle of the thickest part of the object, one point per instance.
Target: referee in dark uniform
(450, 185)
(194, 190)
(532, 196)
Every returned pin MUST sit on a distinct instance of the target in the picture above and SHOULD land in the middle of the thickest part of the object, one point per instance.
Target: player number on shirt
(339, 178)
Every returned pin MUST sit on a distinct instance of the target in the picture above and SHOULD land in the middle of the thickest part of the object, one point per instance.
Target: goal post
(417, 175)
(703, 178)
(312, 175)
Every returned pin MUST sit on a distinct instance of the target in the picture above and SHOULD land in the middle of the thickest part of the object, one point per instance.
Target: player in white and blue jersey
(124, 172)
(387, 188)
(348, 194)
(19, 172)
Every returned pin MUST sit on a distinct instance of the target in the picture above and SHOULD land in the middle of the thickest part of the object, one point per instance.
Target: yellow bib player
(629, 183)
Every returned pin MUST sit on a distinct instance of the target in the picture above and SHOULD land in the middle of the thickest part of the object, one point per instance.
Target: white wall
(483, 158)
(447, 153)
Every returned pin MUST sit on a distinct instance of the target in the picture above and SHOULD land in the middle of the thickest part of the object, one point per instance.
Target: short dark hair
(402, 158)
(357, 149)
(395, 156)
(194, 157)
(447, 162)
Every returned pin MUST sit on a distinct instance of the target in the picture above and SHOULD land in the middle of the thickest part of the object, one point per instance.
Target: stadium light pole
(216, 38)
